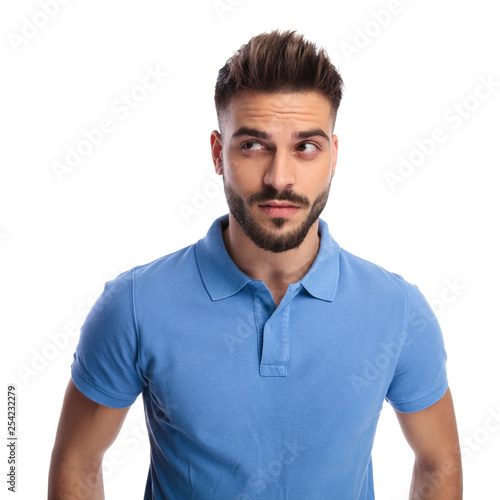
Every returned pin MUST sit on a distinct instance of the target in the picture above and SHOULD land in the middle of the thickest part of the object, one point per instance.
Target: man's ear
(216, 146)
(335, 146)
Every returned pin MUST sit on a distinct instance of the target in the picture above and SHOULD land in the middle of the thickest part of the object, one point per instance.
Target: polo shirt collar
(223, 278)
(322, 278)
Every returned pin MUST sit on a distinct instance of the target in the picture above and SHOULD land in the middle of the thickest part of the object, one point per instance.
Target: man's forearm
(438, 482)
(74, 481)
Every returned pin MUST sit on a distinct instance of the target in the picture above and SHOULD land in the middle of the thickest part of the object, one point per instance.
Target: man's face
(277, 157)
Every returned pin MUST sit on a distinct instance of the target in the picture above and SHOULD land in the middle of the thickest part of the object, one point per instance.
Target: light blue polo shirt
(245, 400)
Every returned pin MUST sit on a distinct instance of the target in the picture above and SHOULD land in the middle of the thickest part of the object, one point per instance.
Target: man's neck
(276, 270)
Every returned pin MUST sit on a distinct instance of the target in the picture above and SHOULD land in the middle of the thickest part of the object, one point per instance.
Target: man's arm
(432, 434)
(86, 430)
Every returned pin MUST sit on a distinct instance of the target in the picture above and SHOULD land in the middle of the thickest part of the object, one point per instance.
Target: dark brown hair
(278, 62)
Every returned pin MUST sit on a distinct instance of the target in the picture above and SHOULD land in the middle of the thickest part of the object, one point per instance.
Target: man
(263, 352)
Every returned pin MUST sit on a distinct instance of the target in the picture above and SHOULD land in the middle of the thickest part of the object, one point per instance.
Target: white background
(61, 238)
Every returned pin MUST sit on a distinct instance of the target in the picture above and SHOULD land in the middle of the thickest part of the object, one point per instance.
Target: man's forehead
(308, 103)
(259, 109)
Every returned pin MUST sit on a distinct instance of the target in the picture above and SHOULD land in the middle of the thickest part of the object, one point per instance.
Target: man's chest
(306, 358)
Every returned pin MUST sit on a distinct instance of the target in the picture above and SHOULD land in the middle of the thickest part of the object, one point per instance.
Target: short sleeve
(420, 378)
(106, 362)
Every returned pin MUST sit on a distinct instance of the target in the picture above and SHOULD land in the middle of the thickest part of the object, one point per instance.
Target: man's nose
(280, 173)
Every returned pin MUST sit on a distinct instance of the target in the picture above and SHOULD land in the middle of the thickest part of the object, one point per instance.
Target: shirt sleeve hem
(98, 396)
(421, 403)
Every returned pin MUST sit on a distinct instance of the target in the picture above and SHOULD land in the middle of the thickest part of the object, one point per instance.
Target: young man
(263, 352)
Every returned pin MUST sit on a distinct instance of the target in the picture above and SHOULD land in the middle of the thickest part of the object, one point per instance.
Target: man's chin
(279, 224)
(277, 238)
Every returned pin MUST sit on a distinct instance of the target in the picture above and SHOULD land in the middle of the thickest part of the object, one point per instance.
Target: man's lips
(275, 209)
(277, 204)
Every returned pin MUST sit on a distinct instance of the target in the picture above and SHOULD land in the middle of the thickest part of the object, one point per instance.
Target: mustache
(272, 194)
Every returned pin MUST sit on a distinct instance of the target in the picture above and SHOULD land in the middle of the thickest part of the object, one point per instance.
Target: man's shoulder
(357, 268)
(158, 270)
(168, 262)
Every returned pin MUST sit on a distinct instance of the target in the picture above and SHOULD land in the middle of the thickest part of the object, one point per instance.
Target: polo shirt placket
(272, 325)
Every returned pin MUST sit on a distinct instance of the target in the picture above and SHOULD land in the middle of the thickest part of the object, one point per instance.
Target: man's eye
(307, 147)
(252, 146)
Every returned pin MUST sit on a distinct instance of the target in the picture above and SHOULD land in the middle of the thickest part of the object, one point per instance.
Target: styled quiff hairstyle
(278, 62)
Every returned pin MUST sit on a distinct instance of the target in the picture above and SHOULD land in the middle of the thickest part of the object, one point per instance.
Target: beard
(268, 240)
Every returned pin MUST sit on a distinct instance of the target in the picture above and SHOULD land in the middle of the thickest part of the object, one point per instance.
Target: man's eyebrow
(305, 134)
(251, 131)
(259, 134)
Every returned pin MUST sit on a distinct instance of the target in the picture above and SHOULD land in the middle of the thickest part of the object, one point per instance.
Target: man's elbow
(75, 477)
(438, 479)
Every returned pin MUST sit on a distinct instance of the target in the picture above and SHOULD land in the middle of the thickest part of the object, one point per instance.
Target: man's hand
(433, 436)
(85, 431)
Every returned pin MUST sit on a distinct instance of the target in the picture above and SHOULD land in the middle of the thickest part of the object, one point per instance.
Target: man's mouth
(279, 208)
